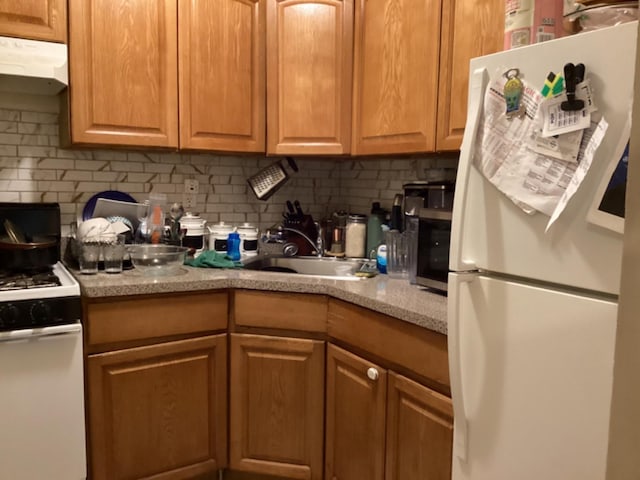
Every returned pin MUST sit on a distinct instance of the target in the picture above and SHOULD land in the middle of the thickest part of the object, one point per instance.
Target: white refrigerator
(532, 315)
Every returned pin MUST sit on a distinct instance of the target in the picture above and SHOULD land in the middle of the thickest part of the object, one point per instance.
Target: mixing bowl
(157, 259)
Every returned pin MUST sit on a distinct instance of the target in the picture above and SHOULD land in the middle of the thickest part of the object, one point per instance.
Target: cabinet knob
(372, 373)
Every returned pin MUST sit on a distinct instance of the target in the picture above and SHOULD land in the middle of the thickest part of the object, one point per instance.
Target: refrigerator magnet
(513, 90)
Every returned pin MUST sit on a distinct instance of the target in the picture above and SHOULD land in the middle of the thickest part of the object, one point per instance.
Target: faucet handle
(319, 239)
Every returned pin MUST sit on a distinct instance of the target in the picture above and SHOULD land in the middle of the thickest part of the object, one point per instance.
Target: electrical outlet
(189, 201)
(191, 186)
(190, 195)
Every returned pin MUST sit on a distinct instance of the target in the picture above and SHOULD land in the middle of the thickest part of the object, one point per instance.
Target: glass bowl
(157, 259)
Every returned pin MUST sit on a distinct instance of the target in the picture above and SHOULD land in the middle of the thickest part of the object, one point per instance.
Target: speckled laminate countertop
(393, 297)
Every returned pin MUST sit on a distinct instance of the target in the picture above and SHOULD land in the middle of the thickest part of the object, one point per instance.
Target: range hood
(30, 66)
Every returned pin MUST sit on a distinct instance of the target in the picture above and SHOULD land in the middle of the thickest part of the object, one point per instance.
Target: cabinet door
(222, 76)
(123, 72)
(397, 43)
(34, 19)
(277, 406)
(355, 424)
(470, 28)
(309, 73)
(419, 432)
(158, 411)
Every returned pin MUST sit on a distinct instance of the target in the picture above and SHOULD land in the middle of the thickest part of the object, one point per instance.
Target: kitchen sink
(316, 266)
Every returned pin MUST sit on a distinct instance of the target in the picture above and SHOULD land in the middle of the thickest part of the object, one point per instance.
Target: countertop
(393, 297)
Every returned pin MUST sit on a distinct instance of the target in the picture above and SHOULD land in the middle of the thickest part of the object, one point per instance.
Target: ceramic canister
(248, 239)
(195, 236)
(218, 234)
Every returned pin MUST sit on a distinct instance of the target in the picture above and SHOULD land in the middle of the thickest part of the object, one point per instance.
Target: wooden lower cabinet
(276, 406)
(383, 426)
(355, 421)
(419, 432)
(158, 411)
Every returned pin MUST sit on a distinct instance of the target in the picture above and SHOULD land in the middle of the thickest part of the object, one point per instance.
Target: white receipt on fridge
(533, 181)
(561, 147)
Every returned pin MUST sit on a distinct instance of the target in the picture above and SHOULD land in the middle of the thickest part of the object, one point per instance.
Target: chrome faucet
(318, 245)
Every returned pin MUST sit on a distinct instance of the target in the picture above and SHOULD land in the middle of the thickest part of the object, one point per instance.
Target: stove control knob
(9, 315)
(40, 313)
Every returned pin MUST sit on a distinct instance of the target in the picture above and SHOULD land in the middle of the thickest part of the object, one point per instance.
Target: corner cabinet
(168, 73)
(276, 406)
(309, 76)
(470, 28)
(34, 19)
(383, 426)
(397, 44)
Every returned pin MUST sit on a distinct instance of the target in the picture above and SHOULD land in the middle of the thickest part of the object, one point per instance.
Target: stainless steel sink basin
(317, 266)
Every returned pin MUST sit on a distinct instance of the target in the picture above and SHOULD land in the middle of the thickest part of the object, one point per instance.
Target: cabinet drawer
(415, 348)
(289, 311)
(153, 317)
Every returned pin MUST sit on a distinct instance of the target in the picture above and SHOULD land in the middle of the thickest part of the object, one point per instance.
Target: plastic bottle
(233, 246)
(381, 252)
(374, 232)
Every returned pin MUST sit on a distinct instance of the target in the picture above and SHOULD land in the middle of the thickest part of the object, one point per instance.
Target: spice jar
(356, 236)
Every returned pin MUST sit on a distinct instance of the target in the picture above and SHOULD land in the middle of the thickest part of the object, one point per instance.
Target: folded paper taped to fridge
(508, 155)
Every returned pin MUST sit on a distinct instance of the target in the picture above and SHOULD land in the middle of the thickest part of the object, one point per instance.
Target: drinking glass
(113, 251)
(89, 257)
(397, 254)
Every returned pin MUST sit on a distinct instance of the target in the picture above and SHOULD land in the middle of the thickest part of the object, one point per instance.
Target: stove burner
(20, 281)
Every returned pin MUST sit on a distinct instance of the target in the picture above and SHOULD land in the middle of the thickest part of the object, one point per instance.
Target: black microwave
(434, 238)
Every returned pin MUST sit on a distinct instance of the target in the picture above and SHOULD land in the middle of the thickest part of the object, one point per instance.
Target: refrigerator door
(489, 232)
(531, 377)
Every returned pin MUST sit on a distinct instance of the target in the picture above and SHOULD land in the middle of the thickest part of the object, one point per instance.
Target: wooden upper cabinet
(123, 72)
(397, 44)
(34, 19)
(470, 28)
(276, 406)
(222, 76)
(309, 76)
(419, 432)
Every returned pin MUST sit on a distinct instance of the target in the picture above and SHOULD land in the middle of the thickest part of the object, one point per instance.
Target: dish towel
(212, 259)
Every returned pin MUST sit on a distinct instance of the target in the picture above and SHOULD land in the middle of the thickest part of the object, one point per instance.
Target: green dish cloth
(212, 259)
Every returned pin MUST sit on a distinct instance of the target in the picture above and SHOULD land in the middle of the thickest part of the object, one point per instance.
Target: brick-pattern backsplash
(34, 168)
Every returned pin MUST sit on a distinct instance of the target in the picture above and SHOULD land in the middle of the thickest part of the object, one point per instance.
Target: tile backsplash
(34, 168)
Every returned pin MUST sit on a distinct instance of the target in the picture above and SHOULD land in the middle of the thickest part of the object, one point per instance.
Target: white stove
(42, 432)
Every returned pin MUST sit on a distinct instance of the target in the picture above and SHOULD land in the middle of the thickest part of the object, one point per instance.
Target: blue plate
(90, 206)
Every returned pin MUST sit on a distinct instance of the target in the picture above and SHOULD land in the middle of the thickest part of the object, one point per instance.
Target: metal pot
(39, 253)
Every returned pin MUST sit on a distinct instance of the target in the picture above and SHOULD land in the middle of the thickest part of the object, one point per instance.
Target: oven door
(42, 404)
(434, 236)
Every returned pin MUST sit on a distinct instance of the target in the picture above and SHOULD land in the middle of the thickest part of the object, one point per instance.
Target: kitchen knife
(298, 209)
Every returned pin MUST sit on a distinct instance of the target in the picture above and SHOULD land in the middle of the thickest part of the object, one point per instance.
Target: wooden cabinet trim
(281, 310)
(102, 371)
(124, 320)
(412, 347)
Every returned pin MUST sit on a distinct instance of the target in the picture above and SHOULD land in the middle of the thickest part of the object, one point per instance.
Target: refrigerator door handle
(478, 81)
(460, 426)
